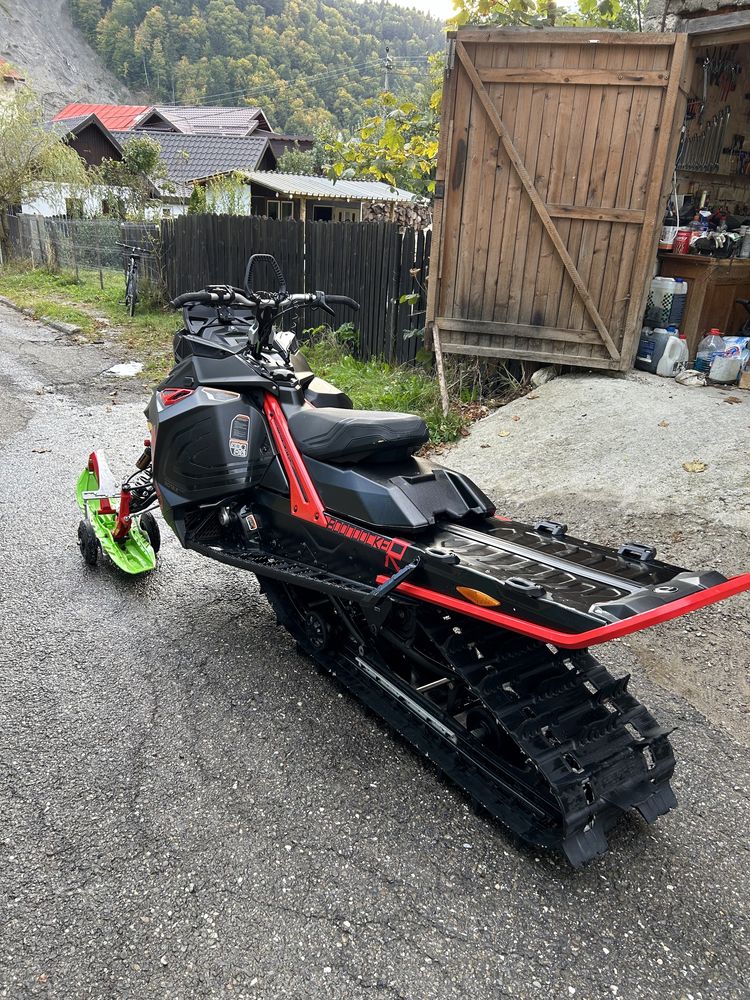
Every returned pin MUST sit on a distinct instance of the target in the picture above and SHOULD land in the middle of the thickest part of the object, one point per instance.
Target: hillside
(307, 62)
(39, 38)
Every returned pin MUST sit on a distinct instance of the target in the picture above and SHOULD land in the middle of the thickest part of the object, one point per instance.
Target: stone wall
(663, 15)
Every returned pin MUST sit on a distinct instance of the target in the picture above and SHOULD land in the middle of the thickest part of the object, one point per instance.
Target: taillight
(171, 396)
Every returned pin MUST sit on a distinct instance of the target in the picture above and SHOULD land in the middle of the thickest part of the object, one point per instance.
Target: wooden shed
(556, 157)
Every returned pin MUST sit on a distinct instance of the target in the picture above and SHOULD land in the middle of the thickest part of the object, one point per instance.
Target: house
(314, 199)
(89, 137)
(187, 156)
(239, 122)
(10, 80)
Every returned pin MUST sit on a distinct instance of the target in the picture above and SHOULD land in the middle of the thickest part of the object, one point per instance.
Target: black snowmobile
(467, 631)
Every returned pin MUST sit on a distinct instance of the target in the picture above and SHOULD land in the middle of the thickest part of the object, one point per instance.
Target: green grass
(372, 385)
(376, 385)
(60, 296)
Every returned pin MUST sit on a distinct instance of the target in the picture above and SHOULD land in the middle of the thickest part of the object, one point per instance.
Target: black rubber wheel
(88, 543)
(151, 528)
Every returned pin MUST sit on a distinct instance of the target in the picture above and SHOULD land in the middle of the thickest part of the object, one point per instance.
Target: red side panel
(580, 640)
(304, 497)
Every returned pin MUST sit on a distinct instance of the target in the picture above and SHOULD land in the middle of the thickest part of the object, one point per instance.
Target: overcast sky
(438, 8)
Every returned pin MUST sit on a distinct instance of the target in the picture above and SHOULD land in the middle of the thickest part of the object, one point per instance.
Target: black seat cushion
(336, 435)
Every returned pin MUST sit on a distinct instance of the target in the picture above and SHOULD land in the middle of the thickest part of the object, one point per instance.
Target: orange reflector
(477, 597)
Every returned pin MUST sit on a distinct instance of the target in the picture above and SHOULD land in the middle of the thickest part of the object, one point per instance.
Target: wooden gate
(555, 160)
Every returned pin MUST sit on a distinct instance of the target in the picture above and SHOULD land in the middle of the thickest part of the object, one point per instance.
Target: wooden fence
(374, 263)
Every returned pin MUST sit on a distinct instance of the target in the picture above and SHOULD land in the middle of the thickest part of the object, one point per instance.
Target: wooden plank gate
(555, 159)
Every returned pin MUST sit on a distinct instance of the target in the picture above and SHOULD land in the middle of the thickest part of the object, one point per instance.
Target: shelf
(715, 176)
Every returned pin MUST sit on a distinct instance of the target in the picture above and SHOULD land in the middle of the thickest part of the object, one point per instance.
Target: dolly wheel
(88, 543)
(151, 528)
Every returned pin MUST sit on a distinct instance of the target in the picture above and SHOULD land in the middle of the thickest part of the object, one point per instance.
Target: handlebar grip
(343, 300)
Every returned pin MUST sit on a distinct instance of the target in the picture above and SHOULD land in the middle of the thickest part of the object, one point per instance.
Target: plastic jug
(659, 302)
(651, 348)
(679, 298)
(711, 345)
(674, 356)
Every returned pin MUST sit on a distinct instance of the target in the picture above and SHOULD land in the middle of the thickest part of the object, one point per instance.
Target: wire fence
(89, 244)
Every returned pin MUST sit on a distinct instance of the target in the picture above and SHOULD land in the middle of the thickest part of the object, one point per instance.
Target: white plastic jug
(659, 302)
(674, 357)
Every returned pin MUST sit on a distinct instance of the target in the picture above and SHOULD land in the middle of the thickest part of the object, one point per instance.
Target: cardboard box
(745, 380)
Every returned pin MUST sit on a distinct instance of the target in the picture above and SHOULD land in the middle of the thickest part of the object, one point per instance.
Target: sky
(441, 9)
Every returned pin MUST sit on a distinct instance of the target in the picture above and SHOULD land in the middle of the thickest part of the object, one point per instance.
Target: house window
(279, 209)
(322, 213)
(345, 215)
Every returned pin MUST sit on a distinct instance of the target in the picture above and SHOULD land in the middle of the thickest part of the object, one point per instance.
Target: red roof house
(115, 117)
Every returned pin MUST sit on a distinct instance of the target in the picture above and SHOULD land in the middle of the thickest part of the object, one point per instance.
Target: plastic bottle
(674, 356)
(679, 298)
(711, 345)
(659, 300)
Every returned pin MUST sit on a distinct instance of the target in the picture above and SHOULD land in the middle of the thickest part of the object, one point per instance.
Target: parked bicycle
(131, 275)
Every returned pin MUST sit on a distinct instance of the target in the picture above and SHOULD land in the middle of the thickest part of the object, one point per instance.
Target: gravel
(189, 810)
(606, 455)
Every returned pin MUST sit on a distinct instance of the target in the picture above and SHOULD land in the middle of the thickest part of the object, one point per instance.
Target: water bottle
(711, 345)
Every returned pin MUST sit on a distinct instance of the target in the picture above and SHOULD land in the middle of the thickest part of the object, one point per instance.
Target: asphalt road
(189, 810)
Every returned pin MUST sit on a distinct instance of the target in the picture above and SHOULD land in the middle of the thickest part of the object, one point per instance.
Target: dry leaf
(732, 399)
(694, 466)
(516, 418)
(485, 446)
(664, 423)
(503, 434)
(41, 451)
(532, 395)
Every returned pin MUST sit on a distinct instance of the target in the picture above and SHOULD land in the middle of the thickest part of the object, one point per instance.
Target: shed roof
(300, 185)
(190, 156)
(112, 116)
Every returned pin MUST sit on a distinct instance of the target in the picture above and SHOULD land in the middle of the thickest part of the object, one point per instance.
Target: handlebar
(127, 246)
(227, 295)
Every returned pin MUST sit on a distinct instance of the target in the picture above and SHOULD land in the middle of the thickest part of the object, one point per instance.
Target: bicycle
(131, 275)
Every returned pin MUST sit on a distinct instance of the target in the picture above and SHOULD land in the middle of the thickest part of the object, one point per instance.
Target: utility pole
(387, 66)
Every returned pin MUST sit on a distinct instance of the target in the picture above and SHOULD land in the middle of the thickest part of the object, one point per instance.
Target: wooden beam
(559, 76)
(535, 197)
(561, 36)
(733, 36)
(551, 357)
(491, 329)
(715, 23)
(672, 113)
(596, 214)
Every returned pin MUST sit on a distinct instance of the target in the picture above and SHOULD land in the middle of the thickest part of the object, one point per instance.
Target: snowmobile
(467, 631)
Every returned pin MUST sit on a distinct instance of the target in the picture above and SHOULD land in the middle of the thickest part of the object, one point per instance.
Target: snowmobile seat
(331, 434)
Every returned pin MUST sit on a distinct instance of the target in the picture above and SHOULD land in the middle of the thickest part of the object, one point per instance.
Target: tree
(30, 155)
(398, 144)
(541, 13)
(132, 180)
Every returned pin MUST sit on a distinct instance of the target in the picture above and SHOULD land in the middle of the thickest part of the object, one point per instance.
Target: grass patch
(376, 385)
(372, 385)
(83, 301)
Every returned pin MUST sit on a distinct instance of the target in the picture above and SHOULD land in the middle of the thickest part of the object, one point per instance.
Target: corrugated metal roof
(300, 185)
(198, 120)
(189, 156)
(112, 116)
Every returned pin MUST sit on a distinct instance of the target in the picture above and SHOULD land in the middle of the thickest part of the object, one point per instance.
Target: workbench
(713, 287)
